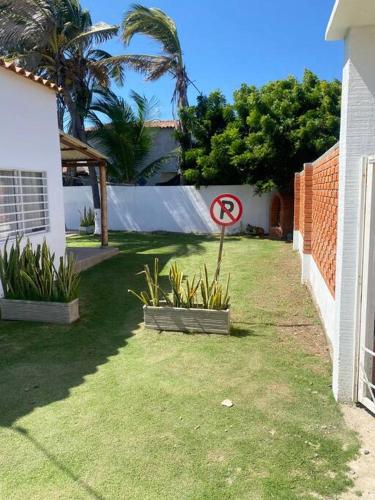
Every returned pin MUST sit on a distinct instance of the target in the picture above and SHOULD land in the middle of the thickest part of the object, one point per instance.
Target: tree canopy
(264, 136)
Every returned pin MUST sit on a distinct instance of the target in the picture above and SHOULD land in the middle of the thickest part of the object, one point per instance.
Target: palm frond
(153, 67)
(98, 33)
(153, 167)
(156, 25)
(153, 23)
(124, 139)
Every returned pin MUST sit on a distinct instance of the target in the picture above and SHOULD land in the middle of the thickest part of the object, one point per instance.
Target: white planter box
(86, 229)
(47, 312)
(187, 320)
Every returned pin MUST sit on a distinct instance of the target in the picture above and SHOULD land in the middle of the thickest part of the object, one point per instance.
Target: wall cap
(328, 152)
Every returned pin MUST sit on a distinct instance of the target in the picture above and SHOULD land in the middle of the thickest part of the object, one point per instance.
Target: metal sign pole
(226, 210)
(220, 256)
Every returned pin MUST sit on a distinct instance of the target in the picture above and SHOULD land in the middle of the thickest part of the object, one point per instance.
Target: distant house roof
(29, 75)
(161, 123)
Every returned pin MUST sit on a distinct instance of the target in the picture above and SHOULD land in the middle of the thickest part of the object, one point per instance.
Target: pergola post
(103, 203)
(75, 153)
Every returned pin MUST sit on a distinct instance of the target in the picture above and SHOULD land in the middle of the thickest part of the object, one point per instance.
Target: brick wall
(301, 203)
(297, 201)
(316, 199)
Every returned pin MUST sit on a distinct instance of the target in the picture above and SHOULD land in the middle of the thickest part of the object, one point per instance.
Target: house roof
(161, 123)
(348, 14)
(77, 153)
(11, 66)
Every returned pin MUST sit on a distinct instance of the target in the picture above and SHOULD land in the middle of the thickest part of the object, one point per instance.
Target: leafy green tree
(125, 139)
(270, 133)
(205, 122)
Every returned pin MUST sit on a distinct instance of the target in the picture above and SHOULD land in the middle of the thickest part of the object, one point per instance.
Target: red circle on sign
(218, 205)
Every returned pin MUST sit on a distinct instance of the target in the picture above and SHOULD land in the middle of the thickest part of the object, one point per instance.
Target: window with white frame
(23, 203)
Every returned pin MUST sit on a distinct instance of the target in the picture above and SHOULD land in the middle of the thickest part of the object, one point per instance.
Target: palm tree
(57, 39)
(155, 24)
(125, 140)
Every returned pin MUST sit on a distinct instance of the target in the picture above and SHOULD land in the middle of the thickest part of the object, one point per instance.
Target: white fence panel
(182, 209)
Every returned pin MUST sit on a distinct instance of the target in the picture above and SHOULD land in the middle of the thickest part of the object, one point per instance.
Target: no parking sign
(226, 209)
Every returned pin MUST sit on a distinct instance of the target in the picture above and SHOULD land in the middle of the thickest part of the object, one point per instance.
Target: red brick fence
(315, 213)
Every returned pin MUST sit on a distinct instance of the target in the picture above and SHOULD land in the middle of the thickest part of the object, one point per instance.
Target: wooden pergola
(75, 153)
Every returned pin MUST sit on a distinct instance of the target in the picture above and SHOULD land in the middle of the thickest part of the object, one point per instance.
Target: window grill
(23, 203)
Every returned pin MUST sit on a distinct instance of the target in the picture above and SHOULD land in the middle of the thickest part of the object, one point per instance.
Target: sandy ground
(363, 468)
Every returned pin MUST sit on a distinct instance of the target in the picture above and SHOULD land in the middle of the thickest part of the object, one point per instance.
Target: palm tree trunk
(77, 130)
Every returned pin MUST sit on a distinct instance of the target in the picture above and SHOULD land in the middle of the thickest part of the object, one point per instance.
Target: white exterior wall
(182, 209)
(29, 140)
(312, 277)
(357, 138)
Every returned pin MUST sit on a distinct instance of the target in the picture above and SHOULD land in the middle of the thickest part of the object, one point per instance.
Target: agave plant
(28, 274)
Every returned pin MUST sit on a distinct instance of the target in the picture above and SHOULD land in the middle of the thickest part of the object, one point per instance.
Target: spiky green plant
(67, 280)
(176, 279)
(87, 217)
(191, 292)
(184, 292)
(154, 293)
(28, 274)
(213, 294)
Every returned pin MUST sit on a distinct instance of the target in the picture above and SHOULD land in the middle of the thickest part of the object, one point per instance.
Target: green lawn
(105, 409)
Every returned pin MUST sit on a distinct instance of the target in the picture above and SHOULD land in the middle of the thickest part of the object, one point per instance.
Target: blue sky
(229, 42)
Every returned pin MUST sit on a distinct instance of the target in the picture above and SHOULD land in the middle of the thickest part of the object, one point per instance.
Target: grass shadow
(41, 363)
(91, 492)
(236, 331)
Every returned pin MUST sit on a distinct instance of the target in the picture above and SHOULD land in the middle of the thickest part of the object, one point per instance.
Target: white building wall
(312, 277)
(29, 140)
(182, 209)
(357, 138)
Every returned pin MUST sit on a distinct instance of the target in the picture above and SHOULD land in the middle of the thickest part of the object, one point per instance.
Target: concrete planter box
(33, 310)
(187, 320)
(86, 229)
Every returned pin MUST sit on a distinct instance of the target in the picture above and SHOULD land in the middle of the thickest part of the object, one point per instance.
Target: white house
(31, 193)
(164, 144)
(354, 22)
(32, 153)
(335, 220)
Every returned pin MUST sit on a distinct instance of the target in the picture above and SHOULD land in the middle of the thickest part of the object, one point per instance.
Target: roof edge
(11, 66)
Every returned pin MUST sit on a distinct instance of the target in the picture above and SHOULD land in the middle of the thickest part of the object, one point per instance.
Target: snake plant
(87, 217)
(28, 274)
(195, 293)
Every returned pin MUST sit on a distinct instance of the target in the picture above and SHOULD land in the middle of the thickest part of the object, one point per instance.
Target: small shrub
(28, 274)
(87, 217)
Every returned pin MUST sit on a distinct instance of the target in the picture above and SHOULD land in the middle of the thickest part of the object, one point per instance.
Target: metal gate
(365, 345)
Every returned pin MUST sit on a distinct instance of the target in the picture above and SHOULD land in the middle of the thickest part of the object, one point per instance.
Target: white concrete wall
(182, 209)
(312, 277)
(298, 242)
(29, 140)
(357, 139)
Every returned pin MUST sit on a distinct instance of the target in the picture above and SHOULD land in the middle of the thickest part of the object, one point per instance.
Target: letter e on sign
(226, 209)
